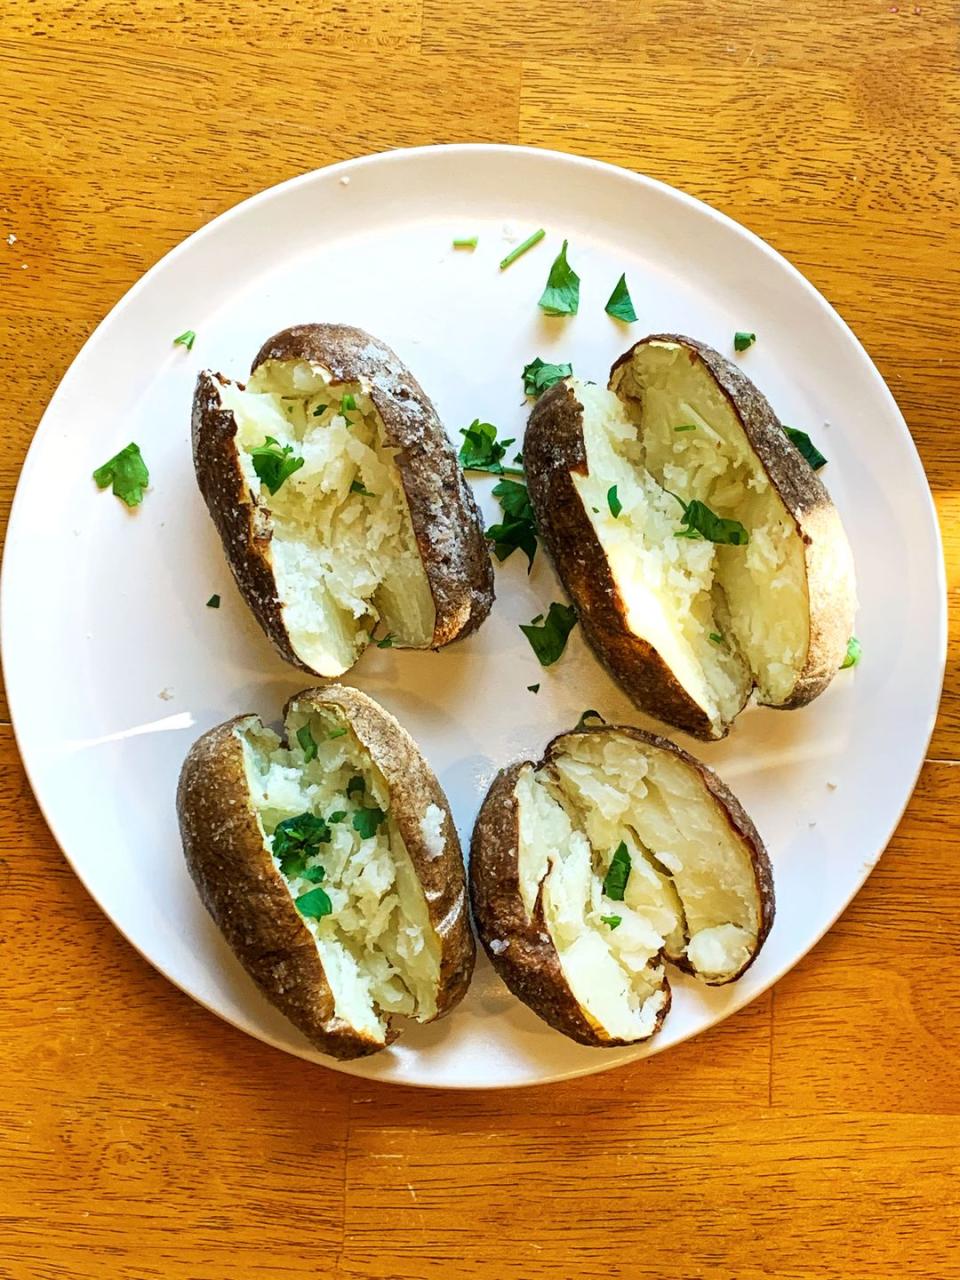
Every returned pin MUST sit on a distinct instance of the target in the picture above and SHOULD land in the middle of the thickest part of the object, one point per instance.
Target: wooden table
(816, 1134)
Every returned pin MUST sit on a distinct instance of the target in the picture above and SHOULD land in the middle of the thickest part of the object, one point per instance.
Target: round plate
(114, 664)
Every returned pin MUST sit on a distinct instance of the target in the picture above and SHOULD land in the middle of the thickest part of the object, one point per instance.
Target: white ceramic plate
(114, 664)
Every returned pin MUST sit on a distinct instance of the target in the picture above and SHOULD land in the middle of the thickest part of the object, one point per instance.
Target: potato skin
(829, 564)
(529, 965)
(553, 448)
(446, 519)
(248, 898)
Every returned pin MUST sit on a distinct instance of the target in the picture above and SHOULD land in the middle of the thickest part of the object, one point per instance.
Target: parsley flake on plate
(853, 655)
(549, 640)
(589, 714)
(619, 304)
(521, 249)
(518, 528)
(128, 474)
(466, 242)
(742, 340)
(533, 688)
(274, 464)
(185, 339)
(806, 447)
(538, 375)
(213, 602)
(561, 297)
(481, 451)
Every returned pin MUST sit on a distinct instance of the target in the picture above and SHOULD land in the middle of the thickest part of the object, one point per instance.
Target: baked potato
(339, 500)
(331, 864)
(615, 853)
(704, 555)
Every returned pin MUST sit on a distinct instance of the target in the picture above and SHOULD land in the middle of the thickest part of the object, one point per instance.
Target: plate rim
(345, 169)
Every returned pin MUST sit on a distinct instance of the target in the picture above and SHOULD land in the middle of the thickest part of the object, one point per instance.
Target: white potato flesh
(764, 582)
(380, 953)
(343, 559)
(614, 788)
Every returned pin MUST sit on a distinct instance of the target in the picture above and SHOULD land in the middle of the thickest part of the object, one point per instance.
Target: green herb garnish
(366, 821)
(514, 254)
(481, 451)
(743, 340)
(618, 873)
(348, 403)
(549, 640)
(687, 426)
(307, 743)
(538, 375)
(561, 297)
(701, 522)
(466, 242)
(357, 486)
(806, 447)
(619, 304)
(128, 474)
(387, 641)
(590, 714)
(356, 785)
(213, 602)
(854, 653)
(314, 874)
(612, 921)
(518, 527)
(296, 839)
(186, 339)
(336, 733)
(340, 814)
(314, 904)
(533, 688)
(320, 410)
(274, 464)
(716, 637)
(613, 502)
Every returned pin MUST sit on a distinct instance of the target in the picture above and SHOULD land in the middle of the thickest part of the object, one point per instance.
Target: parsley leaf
(481, 451)
(307, 743)
(743, 340)
(806, 447)
(613, 502)
(128, 474)
(588, 715)
(533, 688)
(213, 602)
(618, 873)
(339, 815)
(356, 785)
(687, 426)
(296, 839)
(518, 527)
(314, 874)
(357, 486)
(619, 304)
(561, 297)
(347, 403)
(716, 637)
(549, 640)
(185, 339)
(337, 733)
(612, 921)
(514, 254)
(314, 904)
(538, 375)
(854, 653)
(701, 522)
(274, 465)
(387, 641)
(366, 821)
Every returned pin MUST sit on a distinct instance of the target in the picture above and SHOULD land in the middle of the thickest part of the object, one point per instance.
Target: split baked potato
(331, 864)
(618, 851)
(704, 555)
(339, 499)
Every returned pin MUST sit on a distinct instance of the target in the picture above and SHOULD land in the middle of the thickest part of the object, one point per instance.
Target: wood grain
(813, 1135)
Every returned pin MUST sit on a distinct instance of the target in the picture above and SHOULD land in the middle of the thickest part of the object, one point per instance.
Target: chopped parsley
(518, 528)
(307, 743)
(613, 502)
(348, 403)
(314, 874)
(687, 426)
(336, 733)
(185, 339)
(213, 602)
(561, 297)
(274, 464)
(619, 304)
(533, 688)
(340, 814)
(297, 839)
(549, 640)
(320, 410)
(521, 249)
(466, 242)
(612, 921)
(854, 653)
(588, 715)
(743, 340)
(356, 786)
(618, 873)
(128, 474)
(357, 486)
(538, 375)
(806, 447)
(387, 641)
(701, 522)
(314, 904)
(481, 451)
(716, 637)
(366, 821)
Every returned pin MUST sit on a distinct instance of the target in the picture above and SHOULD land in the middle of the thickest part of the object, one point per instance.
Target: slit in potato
(343, 549)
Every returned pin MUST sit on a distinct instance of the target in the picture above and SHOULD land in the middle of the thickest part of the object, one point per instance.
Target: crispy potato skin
(529, 965)
(829, 564)
(553, 448)
(445, 516)
(248, 898)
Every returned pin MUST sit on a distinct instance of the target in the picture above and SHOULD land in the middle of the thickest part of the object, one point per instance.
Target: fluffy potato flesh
(690, 894)
(344, 551)
(380, 953)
